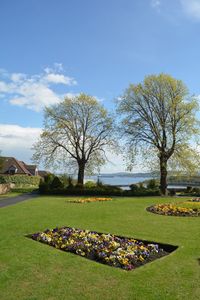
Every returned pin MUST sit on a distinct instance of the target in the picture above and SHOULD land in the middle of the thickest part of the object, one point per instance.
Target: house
(12, 166)
(43, 173)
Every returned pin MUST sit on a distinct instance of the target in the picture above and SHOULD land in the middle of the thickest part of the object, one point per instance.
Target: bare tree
(76, 131)
(159, 115)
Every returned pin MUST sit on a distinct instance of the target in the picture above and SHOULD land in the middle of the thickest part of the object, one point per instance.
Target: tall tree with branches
(76, 131)
(159, 115)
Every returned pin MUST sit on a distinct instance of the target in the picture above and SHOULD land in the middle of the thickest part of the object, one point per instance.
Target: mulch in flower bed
(116, 251)
(174, 210)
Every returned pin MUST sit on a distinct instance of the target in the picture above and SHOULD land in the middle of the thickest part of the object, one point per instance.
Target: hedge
(52, 185)
(20, 180)
(96, 191)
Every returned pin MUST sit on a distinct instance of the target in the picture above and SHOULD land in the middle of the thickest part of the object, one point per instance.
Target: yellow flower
(141, 258)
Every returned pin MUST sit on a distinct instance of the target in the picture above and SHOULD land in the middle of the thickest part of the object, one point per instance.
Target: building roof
(43, 173)
(13, 162)
(31, 168)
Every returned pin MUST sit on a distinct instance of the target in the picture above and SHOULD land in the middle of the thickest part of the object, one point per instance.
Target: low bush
(142, 192)
(24, 190)
(20, 181)
(134, 187)
(152, 184)
(93, 190)
(196, 191)
(67, 180)
(189, 189)
(90, 184)
(172, 193)
(56, 183)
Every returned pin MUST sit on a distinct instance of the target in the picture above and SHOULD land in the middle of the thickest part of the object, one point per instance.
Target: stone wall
(4, 188)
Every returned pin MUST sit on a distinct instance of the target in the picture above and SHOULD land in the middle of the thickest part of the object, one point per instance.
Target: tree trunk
(163, 175)
(81, 171)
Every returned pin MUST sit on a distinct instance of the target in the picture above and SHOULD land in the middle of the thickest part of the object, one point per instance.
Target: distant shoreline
(123, 174)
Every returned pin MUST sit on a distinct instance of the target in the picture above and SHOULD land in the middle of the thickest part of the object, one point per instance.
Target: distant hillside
(127, 174)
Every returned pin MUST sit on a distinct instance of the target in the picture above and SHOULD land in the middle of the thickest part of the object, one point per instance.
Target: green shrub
(142, 192)
(172, 192)
(24, 190)
(95, 191)
(20, 180)
(104, 190)
(67, 180)
(152, 184)
(52, 183)
(56, 183)
(189, 189)
(134, 187)
(90, 184)
(2, 179)
(70, 182)
(141, 185)
(44, 187)
(49, 178)
(196, 191)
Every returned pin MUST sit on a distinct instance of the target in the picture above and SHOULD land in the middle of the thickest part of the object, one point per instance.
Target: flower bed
(174, 210)
(89, 200)
(121, 252)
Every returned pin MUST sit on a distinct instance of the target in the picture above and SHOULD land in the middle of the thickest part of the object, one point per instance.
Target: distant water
(117, 180)
(125, 181)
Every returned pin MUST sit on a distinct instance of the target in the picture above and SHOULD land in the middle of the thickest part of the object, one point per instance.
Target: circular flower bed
(122, 252)
(174, 210)
(89, 200)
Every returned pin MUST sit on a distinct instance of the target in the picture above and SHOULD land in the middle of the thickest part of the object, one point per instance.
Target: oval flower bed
(89, 200)
(174, 210)
(122, 252)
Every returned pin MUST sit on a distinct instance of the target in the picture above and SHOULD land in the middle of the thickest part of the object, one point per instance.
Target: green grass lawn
(190, 204)
(30, 270)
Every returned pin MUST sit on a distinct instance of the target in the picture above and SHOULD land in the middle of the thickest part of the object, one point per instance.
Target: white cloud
(155, 3)
(17, 141)
(16, 77)
(191, 8)
(33, 91)
(35, 96)
(59, 78)
(4, 87)
(57, 67)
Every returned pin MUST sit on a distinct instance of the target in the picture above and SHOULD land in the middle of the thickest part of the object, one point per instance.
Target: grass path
(34, 271)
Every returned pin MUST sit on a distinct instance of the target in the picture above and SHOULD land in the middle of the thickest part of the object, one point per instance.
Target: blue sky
(52, 48)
